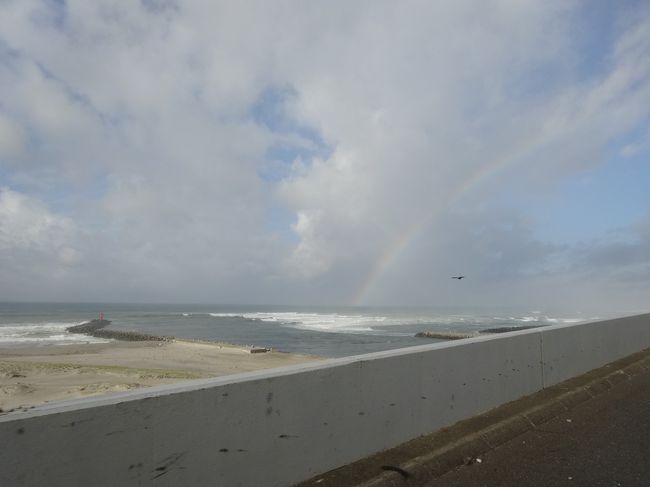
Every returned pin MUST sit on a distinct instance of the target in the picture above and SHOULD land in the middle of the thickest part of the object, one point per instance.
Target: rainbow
(397, 246)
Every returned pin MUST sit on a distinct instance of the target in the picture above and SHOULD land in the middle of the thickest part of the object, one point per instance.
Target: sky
(326, 153)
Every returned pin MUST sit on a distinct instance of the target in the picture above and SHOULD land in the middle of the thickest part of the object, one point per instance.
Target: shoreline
(31, 376)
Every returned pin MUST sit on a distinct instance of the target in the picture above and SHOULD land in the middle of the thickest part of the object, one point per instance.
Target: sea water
(321, 331)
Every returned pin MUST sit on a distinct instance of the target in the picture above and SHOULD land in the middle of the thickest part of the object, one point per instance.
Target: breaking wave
(51, 333)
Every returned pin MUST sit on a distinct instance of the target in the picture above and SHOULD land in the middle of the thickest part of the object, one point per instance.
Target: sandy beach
(38, 375)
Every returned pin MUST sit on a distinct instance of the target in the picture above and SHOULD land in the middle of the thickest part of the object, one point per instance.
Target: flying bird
(458, 277)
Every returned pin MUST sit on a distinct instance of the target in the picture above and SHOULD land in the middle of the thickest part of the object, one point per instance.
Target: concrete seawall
(277, 427)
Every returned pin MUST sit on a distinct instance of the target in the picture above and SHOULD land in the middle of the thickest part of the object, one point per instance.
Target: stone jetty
(506, 329)
(97, 329)
(444, 335)
(450, 335)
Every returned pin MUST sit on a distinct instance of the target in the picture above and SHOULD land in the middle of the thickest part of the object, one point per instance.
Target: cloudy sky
(326, 152)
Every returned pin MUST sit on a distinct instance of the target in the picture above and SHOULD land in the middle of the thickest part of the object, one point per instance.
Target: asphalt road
(602, 442)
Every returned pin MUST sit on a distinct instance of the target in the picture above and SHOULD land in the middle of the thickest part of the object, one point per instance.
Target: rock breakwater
(97, 329)
(444, 335)
(506, 329)
(450, 335)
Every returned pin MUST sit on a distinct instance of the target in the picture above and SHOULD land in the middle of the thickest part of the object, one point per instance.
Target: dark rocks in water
(450, 335)
(95, 328)
(130, 336)
(506, 329)
(444, 335)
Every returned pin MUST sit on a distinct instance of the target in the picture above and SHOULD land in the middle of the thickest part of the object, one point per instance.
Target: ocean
(321, 331)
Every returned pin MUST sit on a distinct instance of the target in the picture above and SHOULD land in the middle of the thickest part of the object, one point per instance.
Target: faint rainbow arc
(397, 245)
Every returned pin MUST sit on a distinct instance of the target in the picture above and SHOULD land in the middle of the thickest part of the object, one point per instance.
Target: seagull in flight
(458, 277)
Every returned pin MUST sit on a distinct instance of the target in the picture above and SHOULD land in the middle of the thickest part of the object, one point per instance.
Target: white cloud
(142, 118)
(418, 106)
(38, 248)
(28, 224)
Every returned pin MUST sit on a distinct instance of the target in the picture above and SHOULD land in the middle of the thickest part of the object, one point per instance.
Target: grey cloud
(38, 248)
(141, 126)
(624, 257)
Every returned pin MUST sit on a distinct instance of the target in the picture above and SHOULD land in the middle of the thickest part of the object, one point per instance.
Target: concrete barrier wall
(571, 350)
(277, 427)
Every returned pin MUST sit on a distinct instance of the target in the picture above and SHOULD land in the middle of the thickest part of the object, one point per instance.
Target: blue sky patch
(279, 221)
(296, 140)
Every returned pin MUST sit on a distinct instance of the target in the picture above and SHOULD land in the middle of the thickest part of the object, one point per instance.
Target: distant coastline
(319, 331)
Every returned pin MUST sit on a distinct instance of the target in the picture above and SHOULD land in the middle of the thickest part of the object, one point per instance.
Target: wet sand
(38, 375)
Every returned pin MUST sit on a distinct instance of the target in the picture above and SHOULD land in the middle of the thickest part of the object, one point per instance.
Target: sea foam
(48, 333)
